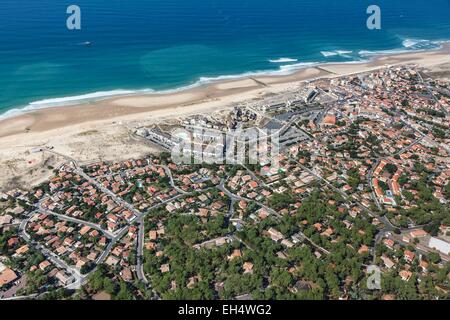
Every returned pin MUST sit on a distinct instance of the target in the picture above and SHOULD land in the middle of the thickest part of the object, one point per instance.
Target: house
(165, 268)
(328, 232)
(62, 277)
(44, 265)
(248, 267)
(7, 276)
(242, 204)
(236, 254)
(287, 243)
(406, 238)
(253, 184)
(252, 195)
(329, 120)
(405, 275)
(13, 241)
(153, 235)
(112, 218)
(409, 256)
(101, 296)
(387, 262)
(61, 250)
(132, 231)
(192, 281)
(262, 213)
(22, 250)
(219, 286)
(217, 205)
(424, 265)
(84, 230)
(443, 289)
(111, 226)
(203, 212)
(389, 243)
(129, 216)
(102, 241)
(363, 249)
(275, 235)
(346, 188)
(94, 233)
(68, 241)
(444, 229)
(92, 256)
(112, 261)
(5, 219)
(126, 275)
(419, 233)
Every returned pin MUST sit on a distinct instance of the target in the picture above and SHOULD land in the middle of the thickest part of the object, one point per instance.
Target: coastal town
(362, 183)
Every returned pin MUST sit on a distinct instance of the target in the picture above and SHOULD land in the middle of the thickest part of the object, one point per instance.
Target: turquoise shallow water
(158, 45)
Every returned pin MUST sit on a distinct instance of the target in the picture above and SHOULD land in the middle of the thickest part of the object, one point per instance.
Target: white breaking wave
(410, 42)
(369, 54)
(421, 43)
(329, 53)
(290, 68)
(69, 101)
(342, 53)
(283, 60)
(74, 100)
(408, 46)
(283, 70)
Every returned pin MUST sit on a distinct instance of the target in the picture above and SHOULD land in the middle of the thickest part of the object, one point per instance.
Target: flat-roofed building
(440, 245)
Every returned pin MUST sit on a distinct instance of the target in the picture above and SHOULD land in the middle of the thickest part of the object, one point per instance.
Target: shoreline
(283, 71)
(100, 130)
(143, 101)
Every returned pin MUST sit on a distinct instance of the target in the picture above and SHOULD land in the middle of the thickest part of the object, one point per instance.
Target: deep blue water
(167, 44)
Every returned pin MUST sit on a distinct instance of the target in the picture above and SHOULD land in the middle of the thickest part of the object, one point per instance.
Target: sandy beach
(100, 130)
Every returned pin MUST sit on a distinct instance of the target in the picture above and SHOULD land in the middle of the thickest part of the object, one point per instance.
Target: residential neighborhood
(362, 179)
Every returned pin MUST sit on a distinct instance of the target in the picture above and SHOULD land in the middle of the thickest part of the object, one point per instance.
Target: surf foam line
(341, 53)
(364, 56)
(69, 101)
(102, 95)
(409, 45)
(283, 60)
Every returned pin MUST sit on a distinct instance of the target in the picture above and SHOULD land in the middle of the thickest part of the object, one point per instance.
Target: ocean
(127, 46)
